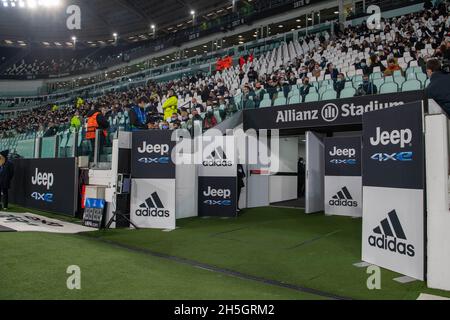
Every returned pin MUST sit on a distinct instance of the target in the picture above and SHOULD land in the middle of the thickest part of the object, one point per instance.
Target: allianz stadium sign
(338, 112)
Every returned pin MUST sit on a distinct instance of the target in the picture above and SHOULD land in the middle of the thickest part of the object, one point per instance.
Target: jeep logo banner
(217, 196)
(393, 148)
(393, 179)
(151, 155)
(153, 203)
(343, 181)
(343, 156)
(46, 184)
(339, 112)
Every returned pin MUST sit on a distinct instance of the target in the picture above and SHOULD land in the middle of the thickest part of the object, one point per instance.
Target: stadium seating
(271, 59)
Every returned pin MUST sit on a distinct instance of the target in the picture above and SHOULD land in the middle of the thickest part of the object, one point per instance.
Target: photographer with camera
(439, 88)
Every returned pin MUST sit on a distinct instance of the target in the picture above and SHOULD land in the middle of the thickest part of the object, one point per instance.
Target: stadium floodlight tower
(193, 17)
(74, 40)
(153, 27)
(115, 36)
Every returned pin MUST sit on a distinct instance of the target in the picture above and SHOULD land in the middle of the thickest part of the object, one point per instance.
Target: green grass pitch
(283, 245)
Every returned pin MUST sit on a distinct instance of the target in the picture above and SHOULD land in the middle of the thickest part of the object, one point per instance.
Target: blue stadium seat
(389, 87)
(422, 77)
(280, 101)
(378, 82)
(348, 92)
(376, 75)
(348, 84)
(312, 97)
(329, 95)
(265, 103)
(411, 76)
(399, 80)
(295, 99)
(411, 85)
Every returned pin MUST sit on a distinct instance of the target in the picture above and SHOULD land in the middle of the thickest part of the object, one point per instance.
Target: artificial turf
(285, 245)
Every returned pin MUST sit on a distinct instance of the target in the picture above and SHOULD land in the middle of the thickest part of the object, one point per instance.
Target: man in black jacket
(6, 176)
(439, 88)
(241, 183)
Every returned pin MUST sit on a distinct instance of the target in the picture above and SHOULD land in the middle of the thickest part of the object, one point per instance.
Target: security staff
(6, 176)
(138, 116)
(439, 88)
(170, 106)
(240, 180)
(97, 121)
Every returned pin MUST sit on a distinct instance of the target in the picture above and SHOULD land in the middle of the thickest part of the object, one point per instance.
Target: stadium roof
(101, 18)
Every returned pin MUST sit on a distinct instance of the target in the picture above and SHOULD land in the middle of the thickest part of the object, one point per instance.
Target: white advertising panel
(393, 233)
(153, 203)
(315, 172)
(218, 158)
(343, 196)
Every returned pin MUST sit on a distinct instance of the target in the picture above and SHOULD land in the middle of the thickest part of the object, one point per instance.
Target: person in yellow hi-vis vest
(171, 105)
(80, 103)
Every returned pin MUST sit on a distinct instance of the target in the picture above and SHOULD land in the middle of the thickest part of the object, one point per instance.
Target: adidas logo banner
(217, 196)
(393, 230)
(218, 158)
(343, 196)
(153, 203)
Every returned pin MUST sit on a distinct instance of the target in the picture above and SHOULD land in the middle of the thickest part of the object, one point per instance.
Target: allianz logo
(43, 179)
(161, 149)
(331, 112)
(401, 137)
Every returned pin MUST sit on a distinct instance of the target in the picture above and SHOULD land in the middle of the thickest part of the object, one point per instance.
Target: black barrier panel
(324, 113)
(217, 196)
(393, 148)
(343, 156)
(46, 184)
(151, 155)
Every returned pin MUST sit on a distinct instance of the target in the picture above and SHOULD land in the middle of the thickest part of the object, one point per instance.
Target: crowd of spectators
(159, 101)
(413, 32)
(179, 103)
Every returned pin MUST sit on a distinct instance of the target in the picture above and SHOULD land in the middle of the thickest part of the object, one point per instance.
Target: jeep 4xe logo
(349, 153)
(401, 138)
(43, 179)
(221, 197)
(395, 137)
(159, 153)
(43, 197)
(390, 236)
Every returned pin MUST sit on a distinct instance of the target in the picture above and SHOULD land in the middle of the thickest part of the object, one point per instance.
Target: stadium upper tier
(389, 60)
